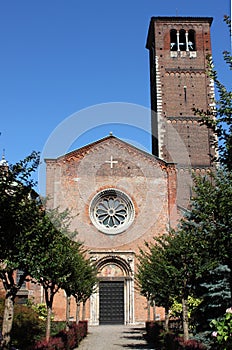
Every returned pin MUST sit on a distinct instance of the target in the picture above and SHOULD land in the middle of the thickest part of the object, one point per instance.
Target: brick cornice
(184, 118)
(185, 70)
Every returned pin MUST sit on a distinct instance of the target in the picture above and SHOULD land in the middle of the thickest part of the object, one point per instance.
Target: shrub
(167, 340)
(52, 344)
(65, 340)
(153, 330)
(56, 327)
(41, 310)
(27, 327)
(223, 330)
(68, 338)
(190, 344)
(82, 329)
(160, 338)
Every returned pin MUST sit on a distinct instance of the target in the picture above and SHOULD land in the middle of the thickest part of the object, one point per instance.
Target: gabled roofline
(81, 149)
(90, 145)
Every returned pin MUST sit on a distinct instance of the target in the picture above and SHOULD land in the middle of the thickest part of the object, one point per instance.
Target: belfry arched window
(182, 40)
(173, 40)
(191, 40)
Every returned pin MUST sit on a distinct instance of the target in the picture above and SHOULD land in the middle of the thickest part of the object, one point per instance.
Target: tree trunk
(185, 318)
(230, 277)
(49, 296)
(148, 310)
(77, 312)
(7, 320)
(83, 311)
(48, 325)
(68, 300)
(154, 311)
(166, 321)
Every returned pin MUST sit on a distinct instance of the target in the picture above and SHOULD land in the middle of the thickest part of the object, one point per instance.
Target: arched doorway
(113, 302)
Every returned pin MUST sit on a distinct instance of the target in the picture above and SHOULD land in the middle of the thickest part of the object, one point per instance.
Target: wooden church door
(111, 302)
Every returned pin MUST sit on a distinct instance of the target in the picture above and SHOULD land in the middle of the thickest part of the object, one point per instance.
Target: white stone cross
(111, 161)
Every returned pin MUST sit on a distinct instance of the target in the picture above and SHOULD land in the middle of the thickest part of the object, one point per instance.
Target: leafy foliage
(214, 290)
(41, 310)
(156, 275)
(211, 215)
(176, 308)
(222, 333)
(219, 118)
(19, 204)
(175, 265)
(169, 269)
(54, 257)
(19, 209)
(82, 274)
(35, 242)
(27, 323)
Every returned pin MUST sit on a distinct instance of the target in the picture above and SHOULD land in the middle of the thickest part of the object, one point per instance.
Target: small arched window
(182, 40)
(191, 40)
(173, 40)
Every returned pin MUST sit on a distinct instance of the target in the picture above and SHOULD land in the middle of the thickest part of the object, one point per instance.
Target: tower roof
(3, 161)
(182, 18)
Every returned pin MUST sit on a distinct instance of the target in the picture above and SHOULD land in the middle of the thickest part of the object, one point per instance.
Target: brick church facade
(121, 196)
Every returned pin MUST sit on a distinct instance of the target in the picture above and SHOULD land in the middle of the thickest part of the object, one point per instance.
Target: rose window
(111, 211)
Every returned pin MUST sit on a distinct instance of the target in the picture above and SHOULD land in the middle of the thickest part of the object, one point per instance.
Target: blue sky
(59, 57)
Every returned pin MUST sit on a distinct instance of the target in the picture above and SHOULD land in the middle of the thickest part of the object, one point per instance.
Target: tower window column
(186, 40)
(178, 40)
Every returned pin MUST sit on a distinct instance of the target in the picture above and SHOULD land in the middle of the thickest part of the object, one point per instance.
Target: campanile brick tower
(178, 48)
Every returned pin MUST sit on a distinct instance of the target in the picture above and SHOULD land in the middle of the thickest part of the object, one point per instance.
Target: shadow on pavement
(136, 339)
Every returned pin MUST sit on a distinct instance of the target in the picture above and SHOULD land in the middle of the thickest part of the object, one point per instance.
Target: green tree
(219, 119)
(156, 275)
(211, 215)
(170, 268)
(32, 240)
(203, 239)
(81, 280)
(185, 254)
(214, 292)
(19, 206)
(50, 266)
(88, 287)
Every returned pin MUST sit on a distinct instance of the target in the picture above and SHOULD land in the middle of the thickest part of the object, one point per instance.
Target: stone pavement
(114, 337)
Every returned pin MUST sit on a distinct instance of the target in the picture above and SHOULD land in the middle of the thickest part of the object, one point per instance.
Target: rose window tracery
(112, 211)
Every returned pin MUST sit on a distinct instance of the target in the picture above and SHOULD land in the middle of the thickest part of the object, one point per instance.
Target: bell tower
(178, 49)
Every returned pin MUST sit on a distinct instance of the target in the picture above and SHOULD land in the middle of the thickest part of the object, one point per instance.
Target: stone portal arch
(113, 301)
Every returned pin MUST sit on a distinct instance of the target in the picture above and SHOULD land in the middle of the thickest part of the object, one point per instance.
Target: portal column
(94, 309)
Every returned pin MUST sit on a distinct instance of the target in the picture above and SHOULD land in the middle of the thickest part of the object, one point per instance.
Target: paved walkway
(114, 337)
